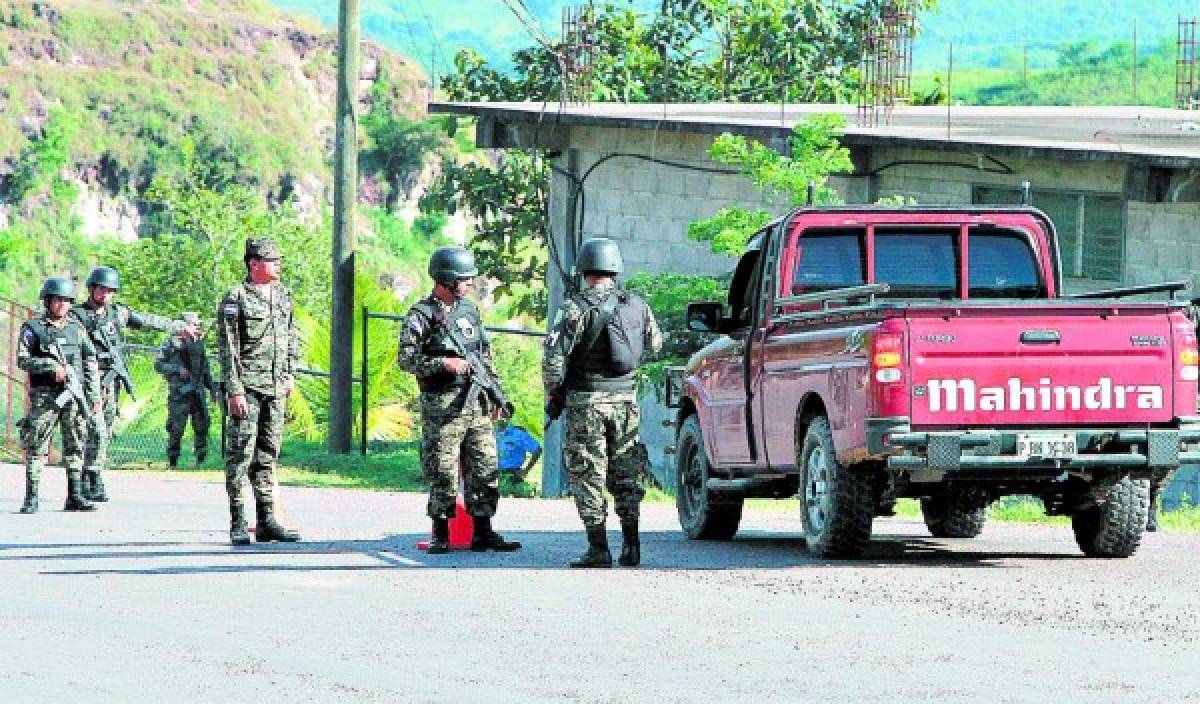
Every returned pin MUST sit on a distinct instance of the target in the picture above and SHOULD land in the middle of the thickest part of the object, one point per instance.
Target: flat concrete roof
(1155, 136)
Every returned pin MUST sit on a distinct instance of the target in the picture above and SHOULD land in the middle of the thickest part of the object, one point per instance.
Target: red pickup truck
(868, 354)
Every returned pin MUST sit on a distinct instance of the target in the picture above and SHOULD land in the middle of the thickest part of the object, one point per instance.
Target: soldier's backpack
(622, 320)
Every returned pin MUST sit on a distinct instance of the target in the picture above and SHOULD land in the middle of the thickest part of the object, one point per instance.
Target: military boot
(631, 544)
(96, 486)
(597, 554)
(440, 544)
(75, 499)
(31, 496)
(238, 535)
(201, 455)
(172, 461)
(483, 538)
(268, 529)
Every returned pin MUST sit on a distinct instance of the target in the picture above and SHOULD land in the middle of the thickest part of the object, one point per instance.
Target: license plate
(1046, 445)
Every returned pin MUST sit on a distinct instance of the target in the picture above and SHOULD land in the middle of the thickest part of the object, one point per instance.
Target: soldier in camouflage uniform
(258, 347)
(184, 362)
(457, 403)
(105, 321)
(588, 366)
(64, 390)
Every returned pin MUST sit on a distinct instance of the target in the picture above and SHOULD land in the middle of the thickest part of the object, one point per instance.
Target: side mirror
(705, 317)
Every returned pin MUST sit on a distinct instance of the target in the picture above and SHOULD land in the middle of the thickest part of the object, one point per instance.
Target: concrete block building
(1121, 184)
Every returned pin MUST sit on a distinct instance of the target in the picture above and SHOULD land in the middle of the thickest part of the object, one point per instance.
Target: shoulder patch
(416, 325)
(229, 308)
(30, 335)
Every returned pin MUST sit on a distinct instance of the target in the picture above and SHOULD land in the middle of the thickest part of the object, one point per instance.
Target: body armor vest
(105, 332)
(469, 328)
(593, 369)
(70, 342)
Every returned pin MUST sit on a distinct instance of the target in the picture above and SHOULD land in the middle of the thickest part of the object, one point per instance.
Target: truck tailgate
(1038, 365)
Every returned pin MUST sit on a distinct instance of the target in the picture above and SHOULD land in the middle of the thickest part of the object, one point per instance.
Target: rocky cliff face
(253, 88)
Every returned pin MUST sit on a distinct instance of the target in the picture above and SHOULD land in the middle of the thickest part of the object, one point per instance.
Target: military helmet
(59, 286)
(599, 254)
(105, 276)
(448, 264)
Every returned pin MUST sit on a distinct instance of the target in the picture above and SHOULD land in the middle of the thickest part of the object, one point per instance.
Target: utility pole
(1135, 59)
(341, 352)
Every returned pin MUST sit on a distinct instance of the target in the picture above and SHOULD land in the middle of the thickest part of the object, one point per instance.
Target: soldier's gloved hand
(237, 406)
(456, 366)
(60, 374)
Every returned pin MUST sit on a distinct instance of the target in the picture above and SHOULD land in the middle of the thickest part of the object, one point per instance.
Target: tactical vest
(105, 332)
(610, 364)
(70, 342)
(465, 319)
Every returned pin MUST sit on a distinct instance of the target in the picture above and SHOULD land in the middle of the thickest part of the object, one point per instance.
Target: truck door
(729, 367)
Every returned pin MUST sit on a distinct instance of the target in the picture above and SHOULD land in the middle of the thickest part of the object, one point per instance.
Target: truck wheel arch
(810, 408)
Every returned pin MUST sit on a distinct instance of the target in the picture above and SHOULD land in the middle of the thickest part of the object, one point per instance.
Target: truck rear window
(919, 263)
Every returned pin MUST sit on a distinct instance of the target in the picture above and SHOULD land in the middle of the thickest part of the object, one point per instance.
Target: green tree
(397, 149)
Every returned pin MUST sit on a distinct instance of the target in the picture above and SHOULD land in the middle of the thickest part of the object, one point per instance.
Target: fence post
(362, 442)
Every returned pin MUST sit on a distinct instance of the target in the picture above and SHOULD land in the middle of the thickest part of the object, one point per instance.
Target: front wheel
(703, 514)
(1114, 527)
(837, 504)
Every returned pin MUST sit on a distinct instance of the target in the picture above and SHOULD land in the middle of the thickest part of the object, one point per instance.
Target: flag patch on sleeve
(230, 308)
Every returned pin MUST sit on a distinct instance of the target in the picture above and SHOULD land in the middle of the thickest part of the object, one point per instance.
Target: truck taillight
(1189, 361)
(886, 357)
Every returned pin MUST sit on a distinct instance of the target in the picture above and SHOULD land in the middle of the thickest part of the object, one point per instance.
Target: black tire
(703, 514)
(954, 514)
(837, 505)
(1114, 528)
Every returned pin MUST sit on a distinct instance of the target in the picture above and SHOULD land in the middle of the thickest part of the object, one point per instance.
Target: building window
(1091, 228)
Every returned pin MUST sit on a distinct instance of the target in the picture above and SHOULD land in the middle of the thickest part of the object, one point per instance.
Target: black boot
(201, 455)
(268, 529)
(75, 498)
(31, 496)
(483, 538)
(440, 544)
(631, 544)
(97, 486)
(238, 535)
(172, 461)
(86, 486)
(597, 554)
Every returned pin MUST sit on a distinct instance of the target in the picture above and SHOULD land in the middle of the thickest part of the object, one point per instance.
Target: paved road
(145, 601)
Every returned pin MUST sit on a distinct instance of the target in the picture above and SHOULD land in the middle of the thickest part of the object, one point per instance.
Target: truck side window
(917, 264)
(827, 261)
(1002, 265)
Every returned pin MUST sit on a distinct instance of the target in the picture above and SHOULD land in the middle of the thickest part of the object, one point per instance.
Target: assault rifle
(119, 371)
(74, 385)
(482, 380)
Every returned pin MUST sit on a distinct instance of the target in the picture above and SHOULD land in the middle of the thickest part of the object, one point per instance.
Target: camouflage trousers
(252, 448)
(447, 440)
(601, 449)
(181, 407)
(37, 430)
(99, 433)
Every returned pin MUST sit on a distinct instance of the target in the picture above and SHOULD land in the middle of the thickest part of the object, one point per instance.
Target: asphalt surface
(144, 601)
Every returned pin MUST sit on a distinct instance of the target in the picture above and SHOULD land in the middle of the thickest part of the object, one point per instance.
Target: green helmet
(105, 276)
(449, 264)
(599, 254)
(59, 286)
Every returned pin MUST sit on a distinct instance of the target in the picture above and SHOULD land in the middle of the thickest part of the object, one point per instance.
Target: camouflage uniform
(600, 445)
(37, 428)
(450, 427)
(187, 398)
(258, 347)
(106, 325)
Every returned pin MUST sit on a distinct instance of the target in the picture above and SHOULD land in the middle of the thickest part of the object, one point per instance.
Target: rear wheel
(1114, 527)
(955, 514)
(837, 504)
(703, 514)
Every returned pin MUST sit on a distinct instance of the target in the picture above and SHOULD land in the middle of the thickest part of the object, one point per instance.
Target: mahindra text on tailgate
(1063, 366)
